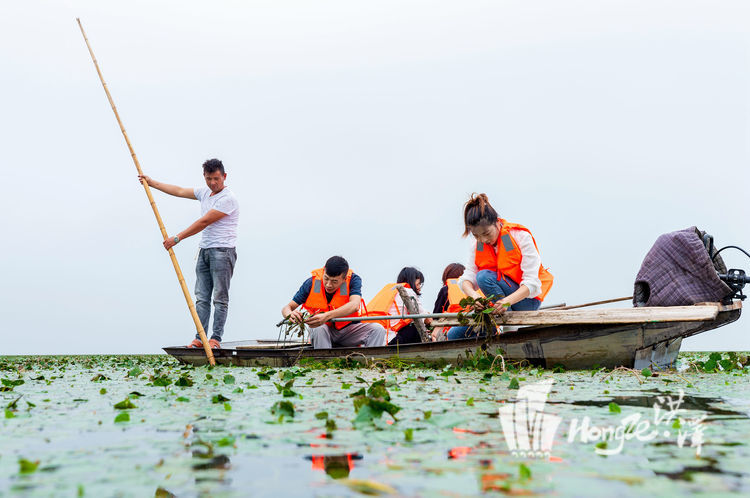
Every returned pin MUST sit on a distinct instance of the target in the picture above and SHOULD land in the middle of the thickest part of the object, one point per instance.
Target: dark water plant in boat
(479, 313)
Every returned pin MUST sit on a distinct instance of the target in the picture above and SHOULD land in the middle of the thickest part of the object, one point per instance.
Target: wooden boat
(574, 339)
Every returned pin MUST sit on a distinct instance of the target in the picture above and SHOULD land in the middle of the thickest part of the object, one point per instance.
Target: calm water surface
(232, 433)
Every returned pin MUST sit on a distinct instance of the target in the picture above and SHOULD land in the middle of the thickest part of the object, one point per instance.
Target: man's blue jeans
(491, 286)
(214, 271)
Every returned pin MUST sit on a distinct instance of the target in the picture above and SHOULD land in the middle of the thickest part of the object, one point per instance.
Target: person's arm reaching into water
(187, 193)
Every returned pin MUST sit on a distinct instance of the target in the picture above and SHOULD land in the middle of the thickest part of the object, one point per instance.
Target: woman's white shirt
(530, 262)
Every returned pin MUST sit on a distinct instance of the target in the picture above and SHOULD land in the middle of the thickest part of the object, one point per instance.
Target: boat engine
(734, 278)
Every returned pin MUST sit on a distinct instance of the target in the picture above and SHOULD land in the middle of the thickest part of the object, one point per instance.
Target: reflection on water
(336, 466)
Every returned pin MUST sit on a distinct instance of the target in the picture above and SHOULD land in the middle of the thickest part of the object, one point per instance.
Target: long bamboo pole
(180, 278)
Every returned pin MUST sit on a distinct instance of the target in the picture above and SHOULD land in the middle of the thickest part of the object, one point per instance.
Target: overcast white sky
(359, 129)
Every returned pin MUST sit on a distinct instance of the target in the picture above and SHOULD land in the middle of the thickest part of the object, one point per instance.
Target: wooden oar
(186, 293)
(596, 303)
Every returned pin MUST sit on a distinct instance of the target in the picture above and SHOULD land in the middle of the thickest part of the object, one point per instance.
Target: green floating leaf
(161, 381)
(226, 441)
(27, 466)
(330, 425)
(321, 415)
(183, 399)
(102, 391)
(135, 394)
(184, 381)
(125, 404)
(9, 414)
(135, 372)
(524, 473)
(122, 417)
(409, 435)
(646, 372)
(227, 407)
(344, 385)
(219, 398)
(513, 383)
(283, 409)
(470, 402)
(228, 379)
(99, 378)
(614, 407)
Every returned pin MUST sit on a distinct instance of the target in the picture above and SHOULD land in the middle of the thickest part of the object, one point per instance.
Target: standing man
(334, 291)
(220, 213)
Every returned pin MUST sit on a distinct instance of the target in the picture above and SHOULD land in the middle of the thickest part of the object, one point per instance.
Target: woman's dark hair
(453, 270)
(409, 275)
(478, 211)
(336, 265)
(212, 166)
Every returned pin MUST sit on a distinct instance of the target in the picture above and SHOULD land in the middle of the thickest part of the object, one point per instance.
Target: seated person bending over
(334, 291)
(504, 262)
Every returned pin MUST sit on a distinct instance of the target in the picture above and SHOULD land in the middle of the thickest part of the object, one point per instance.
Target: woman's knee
(486, 277)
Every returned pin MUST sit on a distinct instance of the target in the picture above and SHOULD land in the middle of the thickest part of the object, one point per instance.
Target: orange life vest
(507, 261)
(317, 303)
(381, 305)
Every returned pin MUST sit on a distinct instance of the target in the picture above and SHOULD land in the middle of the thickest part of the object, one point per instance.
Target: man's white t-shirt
(222, 233)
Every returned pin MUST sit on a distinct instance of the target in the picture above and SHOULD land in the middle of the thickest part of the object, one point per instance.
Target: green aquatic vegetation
(226, 441)
(409, 435)
(229, 379)
(717, 362)
(9, 385)
(513, 383)
(122, 417)
(184, 381)
(160, 380)
(219, 398)
(462, 450)
(479, 313)
(99, 378)
(372, 403)
(283, 409)
(125, 404)
(614, 407)
(27, 466)
(286, 389)
(135, 372)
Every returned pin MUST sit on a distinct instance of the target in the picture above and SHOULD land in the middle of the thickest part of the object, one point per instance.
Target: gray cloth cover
(678, 271)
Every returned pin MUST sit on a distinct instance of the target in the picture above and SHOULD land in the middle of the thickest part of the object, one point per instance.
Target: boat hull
(571, 346)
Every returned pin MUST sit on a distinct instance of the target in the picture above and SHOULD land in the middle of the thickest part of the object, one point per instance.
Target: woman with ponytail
(504, 262)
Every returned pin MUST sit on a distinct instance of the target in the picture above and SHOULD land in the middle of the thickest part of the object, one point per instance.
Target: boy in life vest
(334, 291)
(503, 262)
